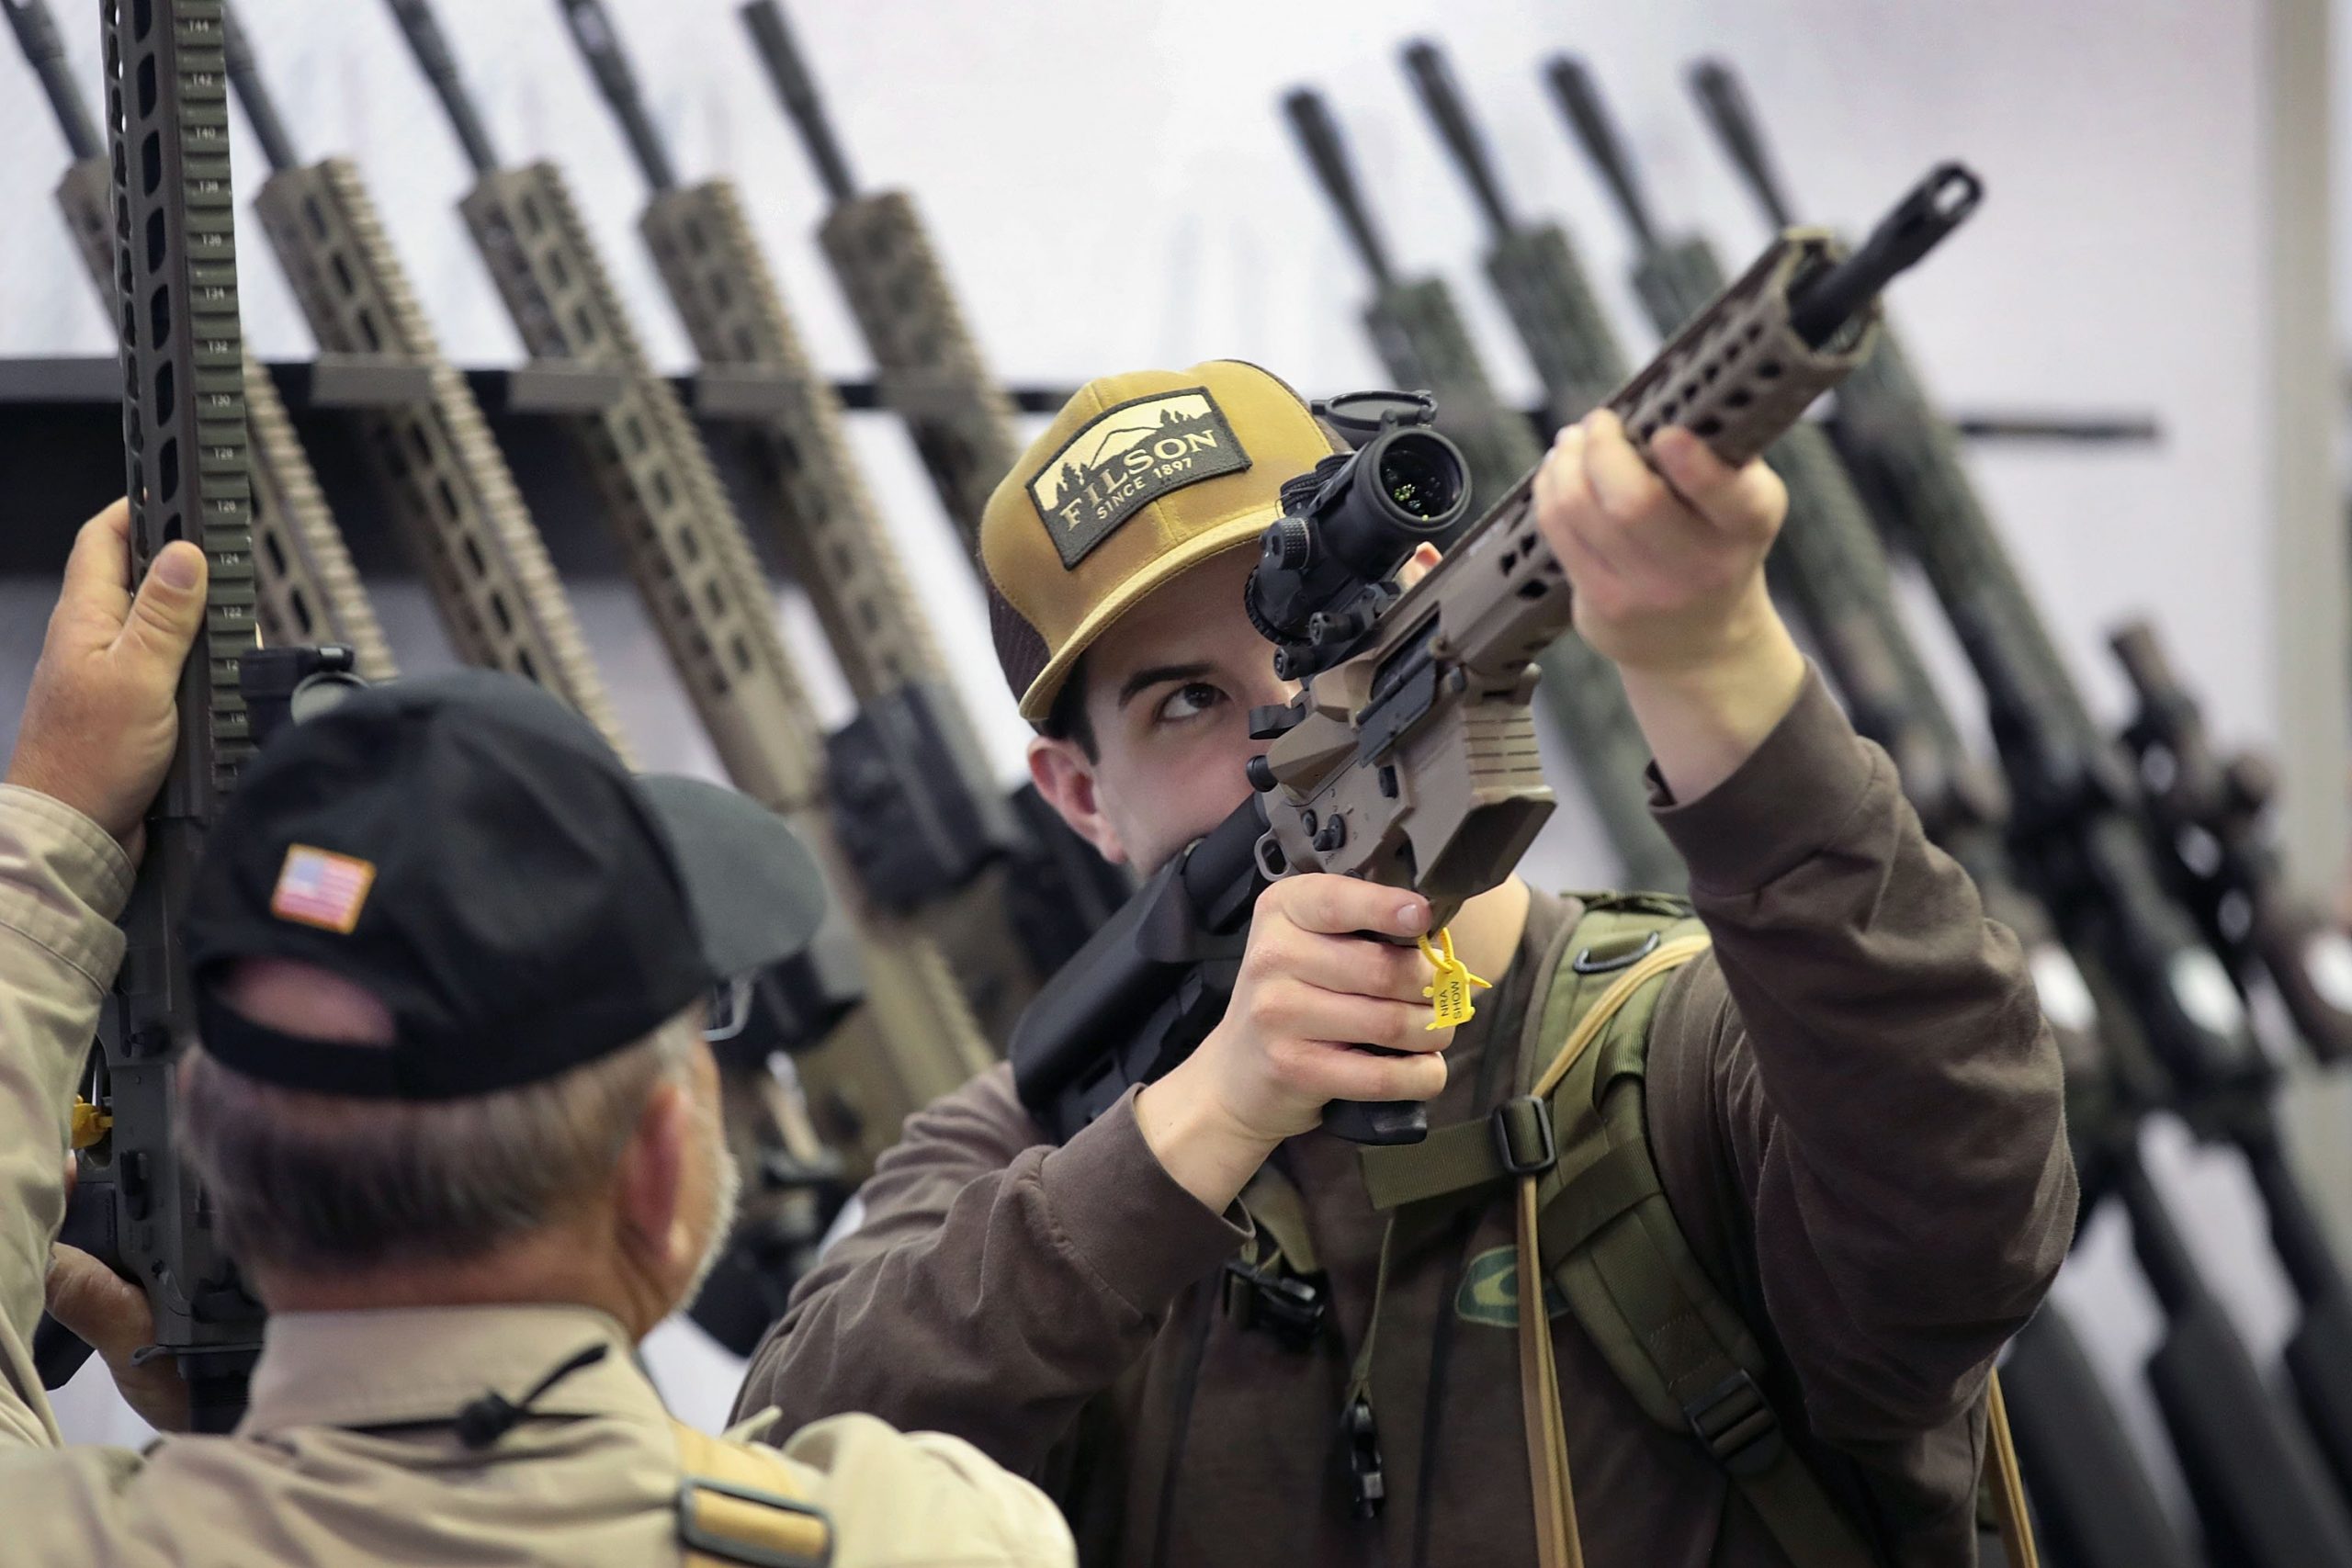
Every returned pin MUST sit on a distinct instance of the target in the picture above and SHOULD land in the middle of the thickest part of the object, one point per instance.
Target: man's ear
(651, 1178)
(1063, 776)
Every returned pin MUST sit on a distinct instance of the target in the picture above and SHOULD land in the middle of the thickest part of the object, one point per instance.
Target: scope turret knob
(1260, 773)
(1290, 544)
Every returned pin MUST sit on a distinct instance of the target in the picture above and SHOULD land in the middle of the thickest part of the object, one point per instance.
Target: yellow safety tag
(1449, 989)
(89, 1125)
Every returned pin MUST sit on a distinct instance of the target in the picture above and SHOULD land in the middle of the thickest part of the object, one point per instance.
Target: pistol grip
(1378, 1121)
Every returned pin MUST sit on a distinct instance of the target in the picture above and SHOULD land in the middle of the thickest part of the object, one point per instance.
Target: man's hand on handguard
(1667, 569)
(101, 716)
(1311, 985)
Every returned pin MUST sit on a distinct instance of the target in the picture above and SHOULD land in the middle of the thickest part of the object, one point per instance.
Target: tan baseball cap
(1140, 478)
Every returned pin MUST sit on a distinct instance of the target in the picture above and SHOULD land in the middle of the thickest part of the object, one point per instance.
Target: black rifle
(306, 590)
(1419, 335)
(2209, 810)
(135, 1205)
(1406, 757)
(2094, 1502)
(2079, 831)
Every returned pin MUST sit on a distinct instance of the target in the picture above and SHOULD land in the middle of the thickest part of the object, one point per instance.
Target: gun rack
(61, 441)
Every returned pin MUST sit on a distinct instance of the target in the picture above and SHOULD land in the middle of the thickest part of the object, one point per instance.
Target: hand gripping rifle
(2078, 829)
(914, 1039)
(189, 476)
(1828, 564)
(1421, 341)
(1408, 756)
(307, 592)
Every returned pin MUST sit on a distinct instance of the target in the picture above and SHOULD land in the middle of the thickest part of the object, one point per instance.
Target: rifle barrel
(1579, 99)
(1722, 100)
(1433, 81)
(45, 53)
(431, 47)
(261, 109)
(1935, 206)
(1319, 137)
(592, 29)
(798, 90)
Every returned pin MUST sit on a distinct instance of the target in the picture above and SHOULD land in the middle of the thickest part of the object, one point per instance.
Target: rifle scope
(1327, 565)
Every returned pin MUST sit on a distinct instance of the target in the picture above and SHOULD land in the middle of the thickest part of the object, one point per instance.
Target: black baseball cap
(471, 852)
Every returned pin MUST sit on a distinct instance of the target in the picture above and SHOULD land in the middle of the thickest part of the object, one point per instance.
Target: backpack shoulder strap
(1592, 1214)
(1600, 1224)
(1612, 932)
(744, 1505)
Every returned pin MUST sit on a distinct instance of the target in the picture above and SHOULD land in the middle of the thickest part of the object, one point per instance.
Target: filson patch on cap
(1127, 456)
(317, 887)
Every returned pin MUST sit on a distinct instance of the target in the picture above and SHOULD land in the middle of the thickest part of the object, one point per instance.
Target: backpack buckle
(1616, 953)
(1368, 1483)
(1524, 1140)
(1736, 1422)
(1288, 1307)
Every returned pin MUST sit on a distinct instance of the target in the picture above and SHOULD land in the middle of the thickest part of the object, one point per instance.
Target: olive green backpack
(1593, 1220)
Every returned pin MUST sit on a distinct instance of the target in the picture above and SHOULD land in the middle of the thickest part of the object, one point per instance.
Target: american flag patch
(318, 888)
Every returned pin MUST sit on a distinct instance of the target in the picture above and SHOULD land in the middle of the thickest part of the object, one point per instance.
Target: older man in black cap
(457, 1120)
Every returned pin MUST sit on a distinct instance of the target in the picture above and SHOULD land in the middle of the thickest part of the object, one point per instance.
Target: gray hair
(308, 1182)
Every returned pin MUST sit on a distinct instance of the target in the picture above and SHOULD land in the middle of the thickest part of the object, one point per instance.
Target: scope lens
(1420, 477)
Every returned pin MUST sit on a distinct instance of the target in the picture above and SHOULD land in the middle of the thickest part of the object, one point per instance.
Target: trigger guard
(1272, 864)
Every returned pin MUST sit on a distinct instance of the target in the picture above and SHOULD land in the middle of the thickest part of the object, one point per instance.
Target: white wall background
(1112, 187)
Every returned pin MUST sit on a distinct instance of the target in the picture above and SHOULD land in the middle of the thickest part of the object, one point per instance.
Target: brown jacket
(346, 1455)
(1856, 1113)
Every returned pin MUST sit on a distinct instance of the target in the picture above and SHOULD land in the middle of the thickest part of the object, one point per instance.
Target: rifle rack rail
(61, 441)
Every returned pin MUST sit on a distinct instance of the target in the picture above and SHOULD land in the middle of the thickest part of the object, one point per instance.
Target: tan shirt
(345, 1455)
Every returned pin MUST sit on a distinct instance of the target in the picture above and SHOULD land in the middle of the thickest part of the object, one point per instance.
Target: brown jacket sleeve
(996, 1283)
(1857, 1106)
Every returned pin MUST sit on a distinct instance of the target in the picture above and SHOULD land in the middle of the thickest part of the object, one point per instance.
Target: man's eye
(1190, 702)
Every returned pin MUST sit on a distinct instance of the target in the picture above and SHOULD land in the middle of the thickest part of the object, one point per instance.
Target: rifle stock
(2258, 1487)
(2094, 1505)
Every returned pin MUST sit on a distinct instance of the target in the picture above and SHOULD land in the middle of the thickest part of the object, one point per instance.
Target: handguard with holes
(1413, 760)
(189, 476)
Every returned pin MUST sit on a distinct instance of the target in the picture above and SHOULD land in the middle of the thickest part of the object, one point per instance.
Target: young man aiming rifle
(1853, 1101)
